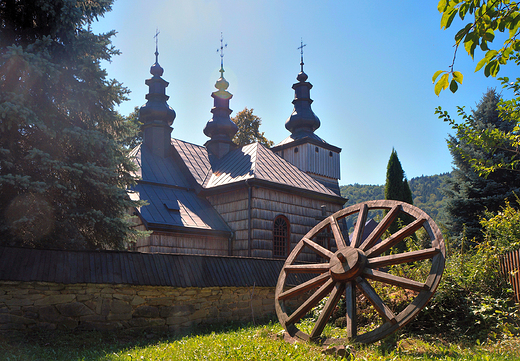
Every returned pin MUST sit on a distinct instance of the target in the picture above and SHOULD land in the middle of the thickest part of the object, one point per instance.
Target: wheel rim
(354, 266)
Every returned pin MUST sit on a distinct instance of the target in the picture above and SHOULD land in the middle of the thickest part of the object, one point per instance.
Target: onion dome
(156, 115)
(220, 128)
(302, 119)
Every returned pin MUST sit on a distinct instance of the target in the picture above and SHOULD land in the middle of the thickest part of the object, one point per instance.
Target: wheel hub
(347, 263)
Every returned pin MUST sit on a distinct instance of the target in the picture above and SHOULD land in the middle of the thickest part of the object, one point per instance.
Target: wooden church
(221, 199)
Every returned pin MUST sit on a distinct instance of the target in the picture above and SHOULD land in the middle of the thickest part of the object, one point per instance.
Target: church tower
(220, 128)
(303, 147)
(156, 115)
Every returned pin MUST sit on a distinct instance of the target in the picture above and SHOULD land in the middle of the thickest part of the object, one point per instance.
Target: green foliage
(63, 169)
(469, 193)
(248, 129)
(503, 228)
(473, 300)
(487, 18)
(428, 195)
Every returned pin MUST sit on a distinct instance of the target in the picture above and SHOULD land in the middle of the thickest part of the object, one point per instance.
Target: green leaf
(453, 86)
(462, 32)
(481, 63)
(441, 6)
(437, 73)
(442, 84)
(457, 76)
(447, 18)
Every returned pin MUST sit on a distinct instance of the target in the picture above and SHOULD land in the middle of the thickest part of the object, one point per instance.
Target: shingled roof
(134, 268)
(250, 162)
(173, 202)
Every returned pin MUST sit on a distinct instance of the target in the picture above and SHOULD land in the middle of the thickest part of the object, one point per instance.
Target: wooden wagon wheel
(355, 265)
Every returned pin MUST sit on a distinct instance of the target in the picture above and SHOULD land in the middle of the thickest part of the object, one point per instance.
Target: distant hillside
(426, 192)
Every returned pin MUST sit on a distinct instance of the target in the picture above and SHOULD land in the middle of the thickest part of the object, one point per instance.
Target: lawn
(235, 342)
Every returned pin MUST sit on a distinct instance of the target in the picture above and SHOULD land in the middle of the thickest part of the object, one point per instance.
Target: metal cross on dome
(221, 50)
(156, 36)
(301, 52)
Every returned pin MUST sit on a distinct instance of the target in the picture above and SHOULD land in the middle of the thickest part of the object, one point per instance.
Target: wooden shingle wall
(233, 207)
(303, 214)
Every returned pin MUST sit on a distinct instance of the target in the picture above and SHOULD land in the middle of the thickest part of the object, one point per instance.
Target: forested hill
(426, 191)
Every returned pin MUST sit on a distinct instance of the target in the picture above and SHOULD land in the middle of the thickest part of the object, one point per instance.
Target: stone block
(197, 315)
(45, 326)
(74, 309)
(83, 298)
(160, 301)
(146, 311)
(48, 314)
(101, 326)
(118, 306)
(55, 299)
(66, 323)
(137, 300)
(119, 317)
(107, 290)
(126, 298)
(93, 318)
(8, 318)
(146, 322)
(18, 301)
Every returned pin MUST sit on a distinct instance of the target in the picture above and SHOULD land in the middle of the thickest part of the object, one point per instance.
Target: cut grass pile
(235, 343)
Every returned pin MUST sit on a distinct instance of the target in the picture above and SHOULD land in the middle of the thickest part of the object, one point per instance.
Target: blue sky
(370, 63)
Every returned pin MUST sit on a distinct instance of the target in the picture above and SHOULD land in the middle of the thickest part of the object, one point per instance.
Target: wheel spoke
(394, 280)
(396, 238)
(338, 236)
(322, 251)
(393, 259)
(350, 303)
(375, 300)
(357, 236)
(381, 228)
(304, 287)
(307, 268)
(327, 310)
(311, 302)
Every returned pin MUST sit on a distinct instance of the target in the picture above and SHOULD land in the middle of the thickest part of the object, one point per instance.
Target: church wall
(169, 242)
(233, 208)
(303, 214)
(162, 242)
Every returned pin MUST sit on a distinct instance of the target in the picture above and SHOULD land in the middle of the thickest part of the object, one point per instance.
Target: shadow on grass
(92, 345)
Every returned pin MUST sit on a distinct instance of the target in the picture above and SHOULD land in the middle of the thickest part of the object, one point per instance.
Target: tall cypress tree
(469, 194)
(63, 170)
(398, 189)
(396, 186)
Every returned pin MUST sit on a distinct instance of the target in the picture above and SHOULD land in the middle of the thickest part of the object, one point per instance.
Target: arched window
(281, 236)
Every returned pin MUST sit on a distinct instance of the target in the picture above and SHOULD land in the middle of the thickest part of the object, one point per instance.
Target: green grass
(235, 343)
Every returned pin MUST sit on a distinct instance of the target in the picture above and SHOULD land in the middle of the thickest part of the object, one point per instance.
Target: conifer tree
(63, 170)
(469, 194)
(397, 188)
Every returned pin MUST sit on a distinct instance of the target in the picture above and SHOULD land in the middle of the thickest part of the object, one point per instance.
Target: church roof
(250, 162)
(172, 201)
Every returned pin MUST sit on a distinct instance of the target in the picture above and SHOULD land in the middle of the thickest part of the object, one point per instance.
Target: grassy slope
(232, 343)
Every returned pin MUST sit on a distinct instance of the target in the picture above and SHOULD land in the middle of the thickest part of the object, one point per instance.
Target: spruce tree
(63, 169)
(469, 194)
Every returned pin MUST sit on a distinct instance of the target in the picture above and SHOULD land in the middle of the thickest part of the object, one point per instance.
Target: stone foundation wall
(39, 305)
